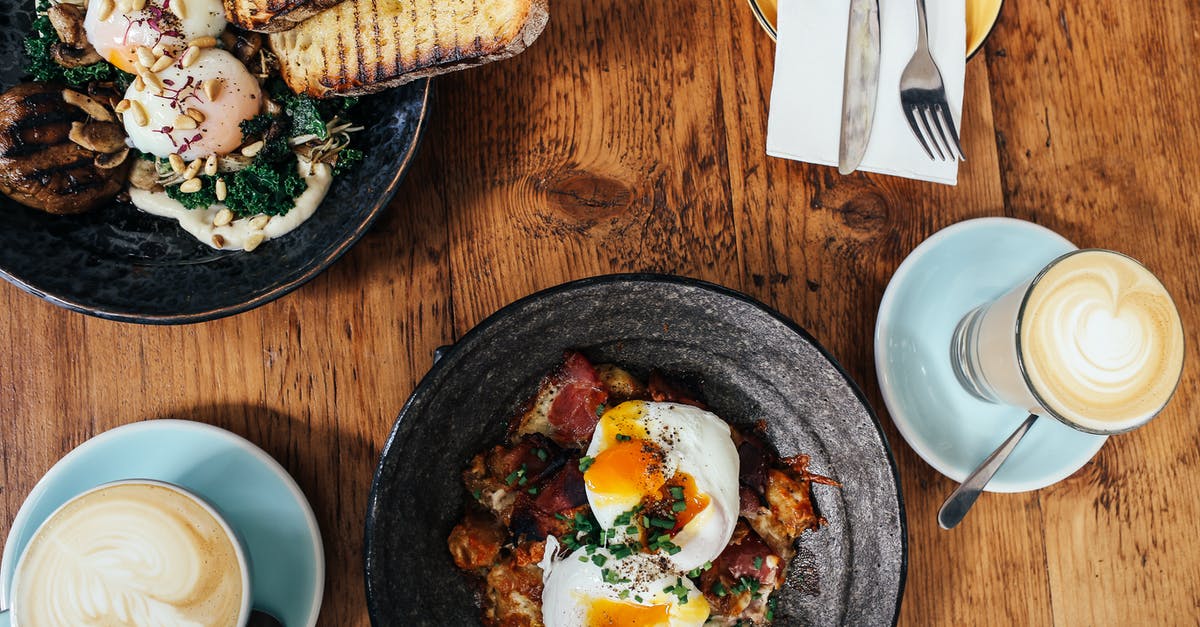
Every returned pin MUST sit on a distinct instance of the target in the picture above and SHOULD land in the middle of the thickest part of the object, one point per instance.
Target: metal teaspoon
(960, 501)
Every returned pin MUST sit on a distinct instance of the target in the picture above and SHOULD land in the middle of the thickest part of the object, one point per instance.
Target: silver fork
(923, 98)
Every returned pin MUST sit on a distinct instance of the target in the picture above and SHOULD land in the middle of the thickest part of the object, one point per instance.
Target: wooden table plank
(1096, 114)
(631, 137)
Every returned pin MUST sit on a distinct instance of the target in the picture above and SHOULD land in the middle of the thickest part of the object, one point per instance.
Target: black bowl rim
(121, 315)
(440, 361)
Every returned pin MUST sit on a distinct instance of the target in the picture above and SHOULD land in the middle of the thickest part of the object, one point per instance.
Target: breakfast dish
(166, 105)
(754, 366)
(615, 501)
(159, 103)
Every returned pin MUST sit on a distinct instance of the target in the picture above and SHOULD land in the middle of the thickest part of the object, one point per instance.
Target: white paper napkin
(806, 101)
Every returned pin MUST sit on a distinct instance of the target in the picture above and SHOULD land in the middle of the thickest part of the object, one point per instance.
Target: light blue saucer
(949, 274)
(258, 498)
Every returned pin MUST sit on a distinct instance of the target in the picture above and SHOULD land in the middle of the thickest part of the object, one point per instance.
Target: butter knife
(861, 84)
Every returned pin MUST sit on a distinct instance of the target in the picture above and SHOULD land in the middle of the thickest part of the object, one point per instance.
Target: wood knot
(584, 196)
(857, 202)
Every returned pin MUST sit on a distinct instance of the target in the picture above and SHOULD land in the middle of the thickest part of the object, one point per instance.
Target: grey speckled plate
(119, 263)
(754, 364)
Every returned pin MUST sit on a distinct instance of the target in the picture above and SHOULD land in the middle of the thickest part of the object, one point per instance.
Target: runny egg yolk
(629, 468)
(606, 612)
(692, 499)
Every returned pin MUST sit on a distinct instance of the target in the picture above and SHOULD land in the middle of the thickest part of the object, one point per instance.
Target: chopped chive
(677, 493)
(719, 589)
(662, 523)
(541, 453)
(599, 560)
(621, 437)
(585, 463)
(532, 490)
(478, 494)
(758, 563)
(678, 506)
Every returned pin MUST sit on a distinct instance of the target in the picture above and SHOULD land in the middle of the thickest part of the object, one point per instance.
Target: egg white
(698, 443)
(573, 585)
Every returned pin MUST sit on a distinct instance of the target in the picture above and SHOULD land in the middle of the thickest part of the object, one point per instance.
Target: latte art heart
(130, 554)
(1101, 340)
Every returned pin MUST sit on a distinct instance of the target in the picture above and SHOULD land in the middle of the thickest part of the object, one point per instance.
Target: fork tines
(933, 125)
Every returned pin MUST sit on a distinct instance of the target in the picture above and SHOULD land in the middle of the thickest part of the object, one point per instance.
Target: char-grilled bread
(272, 16)
(364, 46)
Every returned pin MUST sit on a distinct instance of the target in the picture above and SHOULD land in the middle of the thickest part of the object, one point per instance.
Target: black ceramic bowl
(116, 262)
(753, 363)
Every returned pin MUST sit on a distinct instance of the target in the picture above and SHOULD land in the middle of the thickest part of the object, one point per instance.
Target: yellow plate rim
(771, 32)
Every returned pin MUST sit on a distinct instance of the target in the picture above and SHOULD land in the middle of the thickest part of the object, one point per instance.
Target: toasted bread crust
(364, 46)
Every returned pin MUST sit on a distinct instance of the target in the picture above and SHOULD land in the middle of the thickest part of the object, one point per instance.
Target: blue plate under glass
(948, 275)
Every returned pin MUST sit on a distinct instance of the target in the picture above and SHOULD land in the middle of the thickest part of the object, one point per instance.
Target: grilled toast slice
(270, 16)
(364, 46)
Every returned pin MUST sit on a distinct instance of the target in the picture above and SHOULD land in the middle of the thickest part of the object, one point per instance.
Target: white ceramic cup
(1093, 340)
(152, 556)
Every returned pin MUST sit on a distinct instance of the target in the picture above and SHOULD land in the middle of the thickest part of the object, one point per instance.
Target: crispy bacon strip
(575, 411)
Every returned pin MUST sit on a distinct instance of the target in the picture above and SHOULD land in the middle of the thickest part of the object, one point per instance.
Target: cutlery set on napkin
(898, 66)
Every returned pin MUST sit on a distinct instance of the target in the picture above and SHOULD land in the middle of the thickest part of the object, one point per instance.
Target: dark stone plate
(119, 263)
(753, 364)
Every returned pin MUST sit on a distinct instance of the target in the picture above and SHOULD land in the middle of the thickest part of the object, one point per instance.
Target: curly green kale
(196, 200)
(267, 187)
(347, 158)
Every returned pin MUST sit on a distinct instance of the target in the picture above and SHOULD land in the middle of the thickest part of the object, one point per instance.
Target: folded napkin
(805, 118)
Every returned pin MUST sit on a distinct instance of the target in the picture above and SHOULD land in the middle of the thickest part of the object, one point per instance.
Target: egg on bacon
(116, 28)
(594, 588)
(220, 111)
(677, 465)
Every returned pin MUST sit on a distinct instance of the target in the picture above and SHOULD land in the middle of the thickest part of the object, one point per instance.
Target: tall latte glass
(133, 552)
(1093, 340)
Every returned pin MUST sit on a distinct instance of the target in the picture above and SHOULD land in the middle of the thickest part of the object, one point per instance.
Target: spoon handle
(960, 501)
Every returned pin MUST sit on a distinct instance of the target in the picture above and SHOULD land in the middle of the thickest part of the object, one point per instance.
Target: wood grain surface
(631, 137)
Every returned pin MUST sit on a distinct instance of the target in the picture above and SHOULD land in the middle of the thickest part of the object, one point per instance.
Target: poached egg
(238, 98)
(116, 29)
(595, 589)
(677, 465)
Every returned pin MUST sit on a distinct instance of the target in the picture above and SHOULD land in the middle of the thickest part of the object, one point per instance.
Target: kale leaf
(196, 200)
(347, 158)
(267, 187)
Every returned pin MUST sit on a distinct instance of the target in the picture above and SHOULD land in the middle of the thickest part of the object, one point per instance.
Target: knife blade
(861, 84)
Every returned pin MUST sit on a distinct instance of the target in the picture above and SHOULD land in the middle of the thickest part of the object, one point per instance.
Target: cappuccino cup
(1093, 340)
(134, 552)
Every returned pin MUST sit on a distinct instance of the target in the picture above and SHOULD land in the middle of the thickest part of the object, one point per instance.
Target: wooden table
(631, 137)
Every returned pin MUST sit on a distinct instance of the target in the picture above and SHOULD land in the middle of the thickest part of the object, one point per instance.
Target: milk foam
(130, 554)
(1101, 341)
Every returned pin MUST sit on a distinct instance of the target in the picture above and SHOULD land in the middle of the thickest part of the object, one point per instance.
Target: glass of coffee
(1093, 340)
(135, 552)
